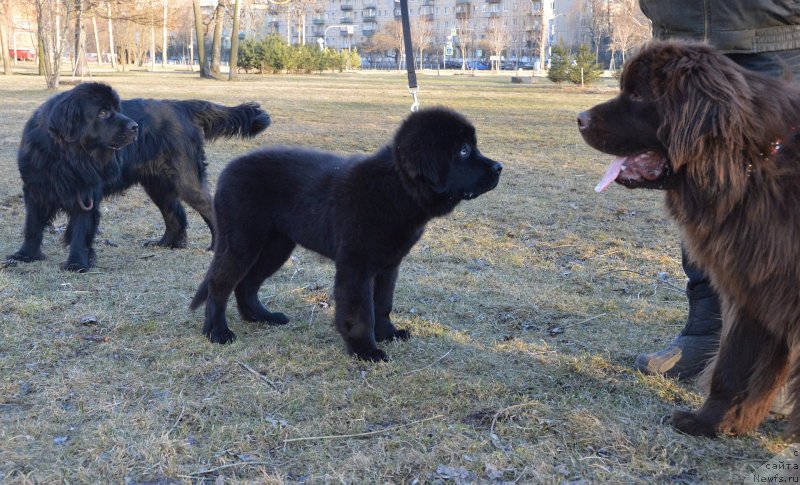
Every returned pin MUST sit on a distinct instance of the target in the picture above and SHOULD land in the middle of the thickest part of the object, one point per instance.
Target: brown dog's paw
(221, 335)
(688, 422)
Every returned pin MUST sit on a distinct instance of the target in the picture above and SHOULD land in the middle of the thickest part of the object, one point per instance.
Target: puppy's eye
(635, 96)
(465, 151)
(103, 114)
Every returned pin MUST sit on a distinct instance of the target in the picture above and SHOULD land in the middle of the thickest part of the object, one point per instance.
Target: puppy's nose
(583, 120)
(497, 168)
(133, 126)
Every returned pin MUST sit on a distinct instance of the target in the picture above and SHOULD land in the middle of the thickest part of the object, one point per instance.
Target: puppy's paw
(221, 335)
(24, 257)
(395, 334)
(75, 266)
(169, 243)
(688, 422)
(372, 355)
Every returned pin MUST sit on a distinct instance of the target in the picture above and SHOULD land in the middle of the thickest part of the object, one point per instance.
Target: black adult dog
(364, 212)
(84, 143)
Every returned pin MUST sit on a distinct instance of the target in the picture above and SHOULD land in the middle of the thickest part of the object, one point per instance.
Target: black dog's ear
(66, 118)
(428, 165)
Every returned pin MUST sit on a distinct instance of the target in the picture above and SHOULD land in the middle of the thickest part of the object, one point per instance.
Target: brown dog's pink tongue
(611, 174)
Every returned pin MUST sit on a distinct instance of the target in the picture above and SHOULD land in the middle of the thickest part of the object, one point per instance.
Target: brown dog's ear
(706, 103)
(65, 118)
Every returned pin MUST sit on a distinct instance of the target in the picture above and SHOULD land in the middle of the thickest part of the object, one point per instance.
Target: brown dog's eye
(103, 114)
(465, 151)
(635, 96)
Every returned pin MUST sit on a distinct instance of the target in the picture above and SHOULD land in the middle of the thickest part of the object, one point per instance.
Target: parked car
(477, 65)
(23, 54)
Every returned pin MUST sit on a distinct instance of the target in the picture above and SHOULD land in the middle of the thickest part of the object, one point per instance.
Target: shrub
(584, 61)
(560, 60)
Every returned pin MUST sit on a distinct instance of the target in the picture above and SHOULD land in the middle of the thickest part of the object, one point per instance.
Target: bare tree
(51, 30)
(200, 33)
(597, 22)
(422, 35)
(390, 39)
(232, 73)
(497, 37)
(164, 36)
(7, 67)
(463, 32)
(629, 27)
(216, 43)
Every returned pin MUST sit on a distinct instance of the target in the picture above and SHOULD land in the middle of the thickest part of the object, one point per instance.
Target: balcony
(347, 6)
(494, 15)
(346, 20)
(462, 10)
(318, 21)
(369, 18)
(427, 3)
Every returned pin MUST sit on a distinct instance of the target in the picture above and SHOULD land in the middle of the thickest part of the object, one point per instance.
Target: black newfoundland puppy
(363, 212)
(83, 144)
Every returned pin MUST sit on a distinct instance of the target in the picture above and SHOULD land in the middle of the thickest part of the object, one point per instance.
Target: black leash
(409, 47)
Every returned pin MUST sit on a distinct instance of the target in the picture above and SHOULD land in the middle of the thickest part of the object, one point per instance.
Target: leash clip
(415, 104)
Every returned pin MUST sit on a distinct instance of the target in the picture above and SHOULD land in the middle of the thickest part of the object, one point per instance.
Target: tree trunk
(216, 44)
(7, 67)
(97, 42)
(153, 47)
(201, 48)
(233, 72)
(111, 47)
(79, 68)
(164, 38)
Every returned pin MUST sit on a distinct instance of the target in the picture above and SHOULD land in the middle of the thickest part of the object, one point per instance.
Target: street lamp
(321, 40)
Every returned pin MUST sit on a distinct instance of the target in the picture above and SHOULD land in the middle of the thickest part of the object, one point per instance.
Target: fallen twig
(361, 435)
(429, 365)
(223, 467)
(257, 374)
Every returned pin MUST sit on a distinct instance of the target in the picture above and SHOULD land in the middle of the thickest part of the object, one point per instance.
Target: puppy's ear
(706, 105)
(65, 118)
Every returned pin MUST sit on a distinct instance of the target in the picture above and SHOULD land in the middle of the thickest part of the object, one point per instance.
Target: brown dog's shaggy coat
(723, 141)
(363, 212)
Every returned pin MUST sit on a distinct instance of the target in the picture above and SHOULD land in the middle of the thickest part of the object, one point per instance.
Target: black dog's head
(685, 112)
(436, 148)
(88, 116)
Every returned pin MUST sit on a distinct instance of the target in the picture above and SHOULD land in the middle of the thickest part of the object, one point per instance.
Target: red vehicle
(23, 54)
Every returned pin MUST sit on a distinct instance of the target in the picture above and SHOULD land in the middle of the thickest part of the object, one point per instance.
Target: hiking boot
(691, 350)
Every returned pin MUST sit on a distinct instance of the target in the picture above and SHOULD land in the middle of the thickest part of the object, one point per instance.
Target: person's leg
(690, 351)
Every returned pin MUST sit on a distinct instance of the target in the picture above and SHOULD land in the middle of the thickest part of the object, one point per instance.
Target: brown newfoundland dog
(723, 142)
(84, 144)
(363, 212)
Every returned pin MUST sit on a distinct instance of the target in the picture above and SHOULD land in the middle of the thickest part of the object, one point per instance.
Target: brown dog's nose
(583, 120)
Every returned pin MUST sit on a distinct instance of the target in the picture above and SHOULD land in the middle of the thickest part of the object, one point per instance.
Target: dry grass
(527, 304)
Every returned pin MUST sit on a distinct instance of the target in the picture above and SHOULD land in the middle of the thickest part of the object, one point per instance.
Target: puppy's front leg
(37, 216)
(384, 296)
(355, 314)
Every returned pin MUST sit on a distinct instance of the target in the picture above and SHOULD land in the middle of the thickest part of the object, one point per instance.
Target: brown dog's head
(685, 113)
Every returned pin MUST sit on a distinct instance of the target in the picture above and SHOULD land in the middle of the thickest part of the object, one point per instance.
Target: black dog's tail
(200, 296)
(245, 120)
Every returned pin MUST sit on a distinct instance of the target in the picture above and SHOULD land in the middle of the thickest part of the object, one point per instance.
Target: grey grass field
(527, 306)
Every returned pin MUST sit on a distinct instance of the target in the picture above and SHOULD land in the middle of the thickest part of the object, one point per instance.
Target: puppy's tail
(245, 120)
(200, 296)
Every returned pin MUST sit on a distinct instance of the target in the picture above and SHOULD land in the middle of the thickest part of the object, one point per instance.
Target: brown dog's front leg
(355, 314)
(748, 371)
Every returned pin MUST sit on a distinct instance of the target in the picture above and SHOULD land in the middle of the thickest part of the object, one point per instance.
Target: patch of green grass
(527, 306)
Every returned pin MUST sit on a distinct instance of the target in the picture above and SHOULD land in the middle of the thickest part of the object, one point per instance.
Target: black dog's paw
(169, 243)
(372, 355)
(688, 422)
(24, 257)
(74, 266)
(222, 335)
(271, 318)
(394, 335)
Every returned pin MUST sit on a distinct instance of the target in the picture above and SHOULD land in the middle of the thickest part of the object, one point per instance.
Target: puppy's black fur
(365, 213)
(84, 143)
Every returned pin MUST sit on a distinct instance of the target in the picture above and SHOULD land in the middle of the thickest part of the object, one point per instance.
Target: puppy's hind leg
(748, 371)
(227, 268)
(384, 296)
(272, 256)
